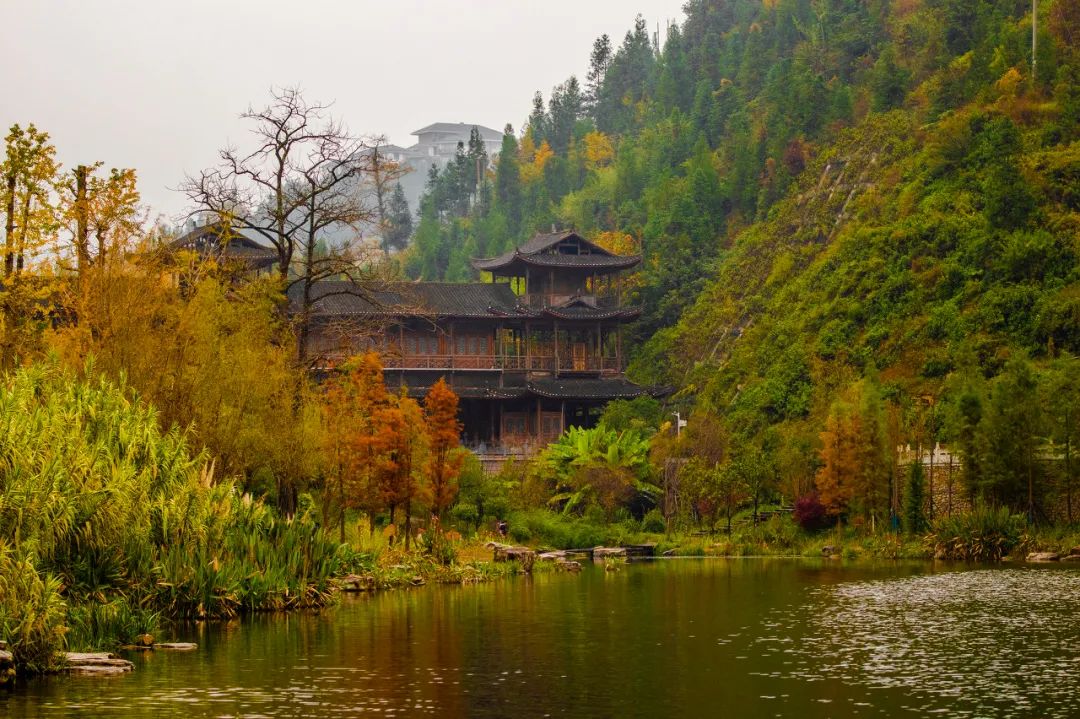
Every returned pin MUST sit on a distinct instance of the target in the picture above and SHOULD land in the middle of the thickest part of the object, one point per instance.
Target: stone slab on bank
(96, 663)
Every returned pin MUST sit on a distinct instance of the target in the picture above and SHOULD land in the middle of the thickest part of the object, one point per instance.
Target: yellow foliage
(1009, 83)
(526, 148)
(619, 243)
(533, 169)
(599, 150)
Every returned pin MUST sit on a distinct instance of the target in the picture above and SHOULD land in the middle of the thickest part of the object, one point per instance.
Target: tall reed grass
(986, 533)
(107, 523)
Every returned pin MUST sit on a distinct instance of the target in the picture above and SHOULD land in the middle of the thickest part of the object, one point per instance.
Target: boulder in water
(1043, 557)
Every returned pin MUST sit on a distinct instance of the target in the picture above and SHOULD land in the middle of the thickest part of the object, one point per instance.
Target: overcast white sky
(157, 84)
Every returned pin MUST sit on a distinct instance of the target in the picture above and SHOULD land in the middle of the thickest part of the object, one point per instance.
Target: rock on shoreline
(96, 663)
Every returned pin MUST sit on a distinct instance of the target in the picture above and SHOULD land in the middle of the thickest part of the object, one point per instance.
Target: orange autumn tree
(856, 464)
(835, 480)
(443, 432)
(402, 442)
(354, 406)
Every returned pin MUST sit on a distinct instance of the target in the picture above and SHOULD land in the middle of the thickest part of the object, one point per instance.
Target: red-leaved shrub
(809, 513)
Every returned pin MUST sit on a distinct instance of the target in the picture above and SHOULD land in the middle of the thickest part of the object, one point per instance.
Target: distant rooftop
(463, 128)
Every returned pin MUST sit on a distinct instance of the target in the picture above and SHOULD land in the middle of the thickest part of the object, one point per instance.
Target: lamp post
(679, 423)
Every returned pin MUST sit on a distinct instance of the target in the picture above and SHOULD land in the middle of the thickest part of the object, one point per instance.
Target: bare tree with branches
(298, 192)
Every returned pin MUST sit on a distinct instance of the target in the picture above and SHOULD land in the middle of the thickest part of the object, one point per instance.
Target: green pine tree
(914, 498)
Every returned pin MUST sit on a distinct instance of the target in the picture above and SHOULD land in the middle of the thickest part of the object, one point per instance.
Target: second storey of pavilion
(555, 305)
(561, 270)
(465, 326)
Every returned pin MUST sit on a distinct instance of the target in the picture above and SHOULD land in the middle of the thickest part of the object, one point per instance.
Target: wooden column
(491, 415)
(556, 325)
(453, 347)
(618, 348)
(562, 417)
(538, 417)
(528, 348)
(498, 349)
(599, 348)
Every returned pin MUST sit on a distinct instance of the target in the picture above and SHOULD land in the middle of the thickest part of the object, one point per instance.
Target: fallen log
(177, 646)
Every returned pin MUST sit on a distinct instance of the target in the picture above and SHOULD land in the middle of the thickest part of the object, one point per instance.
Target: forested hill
(824, 190)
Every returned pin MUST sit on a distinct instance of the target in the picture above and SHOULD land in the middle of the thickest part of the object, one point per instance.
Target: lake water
(703, 637)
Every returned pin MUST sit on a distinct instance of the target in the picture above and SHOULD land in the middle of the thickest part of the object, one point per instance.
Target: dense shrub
(653, 521)
(777, 533)
(810, 513)
(983, 534)
(545, 528)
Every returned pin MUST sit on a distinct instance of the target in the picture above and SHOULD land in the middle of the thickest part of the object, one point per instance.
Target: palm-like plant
(598, 465)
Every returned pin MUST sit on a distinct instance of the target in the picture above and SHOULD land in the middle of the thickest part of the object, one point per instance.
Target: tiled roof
(232, 244)
(543, 240)
(419, 391)
(537, 252)
(459, 127)
(589, 388)
(601, 261)
(579, 312)
(334, 298)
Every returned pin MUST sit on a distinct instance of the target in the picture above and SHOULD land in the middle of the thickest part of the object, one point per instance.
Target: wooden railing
(531, 363)
(480, 362)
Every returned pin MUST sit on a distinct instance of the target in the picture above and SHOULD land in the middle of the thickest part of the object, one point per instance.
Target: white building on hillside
(435, 145)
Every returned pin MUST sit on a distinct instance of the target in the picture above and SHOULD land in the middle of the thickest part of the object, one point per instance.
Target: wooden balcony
(531, 363)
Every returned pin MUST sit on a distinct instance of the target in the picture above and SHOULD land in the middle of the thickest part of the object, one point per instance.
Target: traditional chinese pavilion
(537, 349)
(227, 246)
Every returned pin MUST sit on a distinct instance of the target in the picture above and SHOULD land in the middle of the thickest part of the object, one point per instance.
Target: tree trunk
(82, 223)
(9, 226)
(341, 504)
(1031, 487)
(1068, 469)
(286, 497)
(20, 245)
(408, 523)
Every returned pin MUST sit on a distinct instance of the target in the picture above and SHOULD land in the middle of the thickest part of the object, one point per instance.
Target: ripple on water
(995, 642)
